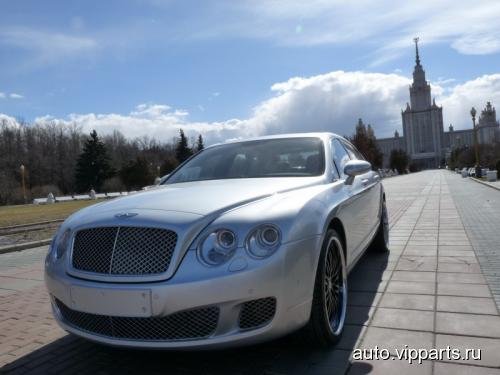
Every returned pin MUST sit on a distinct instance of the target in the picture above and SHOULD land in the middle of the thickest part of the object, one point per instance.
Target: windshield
(287, 157)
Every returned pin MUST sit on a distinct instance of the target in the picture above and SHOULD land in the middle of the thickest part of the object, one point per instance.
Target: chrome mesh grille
(184, 325)
(93, 249)
(257, 313)
(123, 250)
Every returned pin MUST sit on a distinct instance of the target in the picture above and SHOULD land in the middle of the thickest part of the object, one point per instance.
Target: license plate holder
(113, 302)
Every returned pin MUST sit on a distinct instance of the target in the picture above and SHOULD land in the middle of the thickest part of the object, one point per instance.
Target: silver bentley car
(244, 242)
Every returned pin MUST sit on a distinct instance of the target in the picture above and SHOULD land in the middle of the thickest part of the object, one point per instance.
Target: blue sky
(220, 66)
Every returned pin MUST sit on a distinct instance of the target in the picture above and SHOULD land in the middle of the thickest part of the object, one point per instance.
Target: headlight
(263, 241)
(61, 243)
(218, 247)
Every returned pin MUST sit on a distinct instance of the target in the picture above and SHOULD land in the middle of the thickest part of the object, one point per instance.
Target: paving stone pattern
(479, 208)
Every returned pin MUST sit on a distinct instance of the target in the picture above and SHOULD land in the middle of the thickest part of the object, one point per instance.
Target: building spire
(417, 59)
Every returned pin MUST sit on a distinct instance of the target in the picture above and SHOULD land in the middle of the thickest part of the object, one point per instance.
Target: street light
(476, 149)
(24, 185)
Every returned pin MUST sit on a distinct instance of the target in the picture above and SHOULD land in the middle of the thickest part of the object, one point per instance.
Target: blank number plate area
(114, 302)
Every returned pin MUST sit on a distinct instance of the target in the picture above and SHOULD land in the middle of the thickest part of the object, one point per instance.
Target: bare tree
(50, 151)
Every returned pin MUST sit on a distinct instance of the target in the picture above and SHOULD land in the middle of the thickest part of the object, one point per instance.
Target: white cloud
(442, 81)
(334, 101)
(12, 95)
(482, 44)
(386, 26)
(474, 93)
(328, 102)
(46, 46)
(157, 121)
(468, 28)
(8, 120)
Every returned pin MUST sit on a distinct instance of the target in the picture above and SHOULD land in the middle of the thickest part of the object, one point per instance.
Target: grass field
(26, 214)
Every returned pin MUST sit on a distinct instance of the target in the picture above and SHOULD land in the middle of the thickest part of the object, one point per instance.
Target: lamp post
(476, 148)
(24, 185)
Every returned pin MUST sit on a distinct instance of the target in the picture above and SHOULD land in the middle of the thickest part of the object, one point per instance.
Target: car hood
(205, 197)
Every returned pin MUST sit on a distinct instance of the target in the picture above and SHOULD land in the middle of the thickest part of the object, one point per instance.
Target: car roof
(321, 135)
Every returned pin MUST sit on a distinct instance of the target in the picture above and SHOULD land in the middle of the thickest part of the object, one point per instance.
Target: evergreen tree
(93, 165)
(199, 144)
(365, 141)
(136, 174)
(182, 150)
(168, 166)
(399, 160)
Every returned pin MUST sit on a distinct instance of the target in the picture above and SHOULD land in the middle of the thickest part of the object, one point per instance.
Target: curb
(485, 183)
(24, 246)
(20, 226)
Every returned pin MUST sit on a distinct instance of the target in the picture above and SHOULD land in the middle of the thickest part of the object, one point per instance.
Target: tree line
(64, 160)
(365, 141)
(489, 156)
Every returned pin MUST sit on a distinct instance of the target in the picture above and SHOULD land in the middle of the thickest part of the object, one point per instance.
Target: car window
(287, 157)
(340, 155)
(353, 152)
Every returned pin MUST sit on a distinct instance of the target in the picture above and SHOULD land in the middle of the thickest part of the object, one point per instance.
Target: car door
(353, 210)
(371, 189)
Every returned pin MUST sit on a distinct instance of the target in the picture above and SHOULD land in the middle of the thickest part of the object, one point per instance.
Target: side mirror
(354, 168)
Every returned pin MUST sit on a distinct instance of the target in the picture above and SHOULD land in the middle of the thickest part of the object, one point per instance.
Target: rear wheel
(329, 305)
(380, 242)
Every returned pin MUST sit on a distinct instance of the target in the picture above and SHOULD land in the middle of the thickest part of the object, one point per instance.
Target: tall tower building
(488, 125)
(424, 139)
(423, 121)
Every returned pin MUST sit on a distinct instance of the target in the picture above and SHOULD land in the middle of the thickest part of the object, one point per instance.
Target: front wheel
(329, 305)
(380, 242)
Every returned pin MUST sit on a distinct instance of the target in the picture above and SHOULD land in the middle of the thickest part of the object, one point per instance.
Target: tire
(329, 305)
(380, 242)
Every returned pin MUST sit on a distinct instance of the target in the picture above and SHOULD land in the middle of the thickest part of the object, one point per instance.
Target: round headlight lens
(263, 241)
(269, 236)
(218, 247)
(62, 243)
(226, 239)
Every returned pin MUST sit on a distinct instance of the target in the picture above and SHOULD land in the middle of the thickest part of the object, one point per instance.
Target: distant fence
(81, 197)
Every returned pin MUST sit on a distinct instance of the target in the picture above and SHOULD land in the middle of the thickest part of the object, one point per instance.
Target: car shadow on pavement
(288, 355)
(367, 281)
(72, 355)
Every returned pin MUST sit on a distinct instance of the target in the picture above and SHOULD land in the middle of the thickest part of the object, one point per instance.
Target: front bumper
(287, 277)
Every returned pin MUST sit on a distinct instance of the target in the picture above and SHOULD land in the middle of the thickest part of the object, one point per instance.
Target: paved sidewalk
(479, 207)
(429, 292)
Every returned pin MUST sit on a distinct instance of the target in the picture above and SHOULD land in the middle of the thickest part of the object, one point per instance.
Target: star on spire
(416, 50)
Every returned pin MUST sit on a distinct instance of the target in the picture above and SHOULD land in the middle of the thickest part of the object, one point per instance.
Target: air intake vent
(257, 313)
(184, 325)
